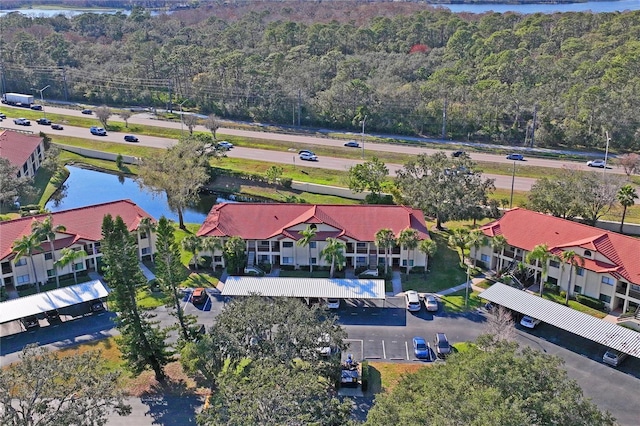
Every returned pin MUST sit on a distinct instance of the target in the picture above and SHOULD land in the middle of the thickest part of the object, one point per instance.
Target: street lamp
(466, 290)
(182, 117)
(42, 99)
(606, 154)
(513, 180)
(364, 120)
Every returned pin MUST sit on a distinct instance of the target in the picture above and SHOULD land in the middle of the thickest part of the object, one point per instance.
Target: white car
(333, 303)
(529, 322)
(225, 144)
(430, 303)
(22, 122)
(597, 163)
(308, 156)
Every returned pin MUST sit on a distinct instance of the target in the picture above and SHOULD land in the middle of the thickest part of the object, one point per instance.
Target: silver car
(430, 303)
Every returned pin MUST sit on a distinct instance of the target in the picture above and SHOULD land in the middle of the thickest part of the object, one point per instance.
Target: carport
(40, 303)
(565, 318)
(327, 288)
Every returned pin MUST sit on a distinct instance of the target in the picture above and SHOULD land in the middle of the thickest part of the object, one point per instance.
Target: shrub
(417, 270)
(563, 294)
(590, 301)
(286, 182)
(266, 267)
(365, 375)
(287, 267)
(552, 288)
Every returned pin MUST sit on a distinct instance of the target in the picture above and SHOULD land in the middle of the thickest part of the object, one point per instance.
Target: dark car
(36, 107)
(30, 322)
(518, 157)
(87, 111)
(443, 348)
(352, 144)
(57, 127)
(97, 306)
(458, 153)
(130, 138)
(52, 316)
(3, 115)
(44, 121)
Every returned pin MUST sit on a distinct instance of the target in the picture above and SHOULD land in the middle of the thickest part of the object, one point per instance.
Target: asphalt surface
(289, 157)
(381, 331)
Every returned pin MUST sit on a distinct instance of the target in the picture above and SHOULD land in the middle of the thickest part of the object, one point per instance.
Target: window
(312, 244)
(579, 271)
(577, 289)
(78, 267)
(49, 273)
(552, 280)
(361, 245)
(25, 168)
(287, 244)
(554, 263)
(587, 253)
(485, 258)
(97, 247)
(314, 261)
(404, 262)
(22, 279)
(48, 256)
(143, 235)
(635, 287)
(287, 260)
(21, 262)
(263, 244)
(361, 260)
(217, 259)
(411, 262)
(607, 280)
(605, 298)
(146, 250)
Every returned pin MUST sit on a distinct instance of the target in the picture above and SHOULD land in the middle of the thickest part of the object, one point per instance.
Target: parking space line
(384, 351)
(406, 346)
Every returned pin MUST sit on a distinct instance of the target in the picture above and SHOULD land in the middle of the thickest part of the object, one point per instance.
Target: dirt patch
(177, 383)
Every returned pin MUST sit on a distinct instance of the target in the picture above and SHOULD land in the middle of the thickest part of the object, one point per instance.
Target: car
(22, 122)
(199, 296)
(30, 322)
(57, 127)
(413, 300)
(3, 115)
(613, 357)
(87, 111)
(458, 153)
(52, 316)
(308, 157)
(333, 303)
(44, 121)
(443, 348)
(96, 306)
(130, 138)
(36, 107)
(352, 144)
(98, 131)
(420, 348)
(306, 151)
(325, 347)
(597, 163)
(518, 157)
(529, 322)
(430, 303)
(225, 144)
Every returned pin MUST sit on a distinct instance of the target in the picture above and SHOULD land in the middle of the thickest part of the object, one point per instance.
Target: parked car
(333, 303)
(308, 157)
(96, 306)
(225, 144)
(36, 107)
(44, 121)
(613, 357)
(518, 157)
(352, 144)
(199, 296)
(430, 303)
(413, 300)
(458, 153)
(22, 122)
(3, 115)
(443, 348)
(30, 322)
(87, 111)
(420, 348)
(57, 127)
(98, 131)
(597, 163)
(130, 138)
(52, 316)
(529, 322)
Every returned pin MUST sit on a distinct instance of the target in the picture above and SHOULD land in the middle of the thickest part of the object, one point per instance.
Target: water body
(590, 6)
(85, 187)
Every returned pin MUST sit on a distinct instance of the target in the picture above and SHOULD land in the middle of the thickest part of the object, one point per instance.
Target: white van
(413, 300)
(613, 357)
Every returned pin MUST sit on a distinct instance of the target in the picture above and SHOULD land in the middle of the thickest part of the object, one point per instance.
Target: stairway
(251, 259)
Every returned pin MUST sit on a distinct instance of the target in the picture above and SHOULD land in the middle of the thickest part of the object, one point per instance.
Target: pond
(85, 187)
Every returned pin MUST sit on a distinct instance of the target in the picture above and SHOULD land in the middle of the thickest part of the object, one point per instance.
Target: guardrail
(26, 132)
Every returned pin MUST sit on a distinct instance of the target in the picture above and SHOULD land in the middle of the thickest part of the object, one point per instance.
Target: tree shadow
(172, 403)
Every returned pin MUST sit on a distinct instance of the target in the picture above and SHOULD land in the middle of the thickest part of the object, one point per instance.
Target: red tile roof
(84, 223)
(525, 229)
(17, 147)
(261, 221)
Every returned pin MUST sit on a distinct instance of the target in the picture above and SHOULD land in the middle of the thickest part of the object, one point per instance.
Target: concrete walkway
(396, 281)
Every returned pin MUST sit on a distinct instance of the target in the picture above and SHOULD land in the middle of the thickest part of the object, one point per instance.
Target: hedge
(590, 301)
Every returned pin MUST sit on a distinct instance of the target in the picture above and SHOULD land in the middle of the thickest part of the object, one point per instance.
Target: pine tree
(142, 343)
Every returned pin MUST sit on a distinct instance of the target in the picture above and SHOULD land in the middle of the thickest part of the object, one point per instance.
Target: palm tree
(410, 239)
(428, 248)
(25, 246)
(386, 239)
(46, 230)
(541, 254)
(574, 260)
(211, 244)
(476, 239)
(626, 196)
(307, 234)
(459, 239)
(69, 256)
(498, 244)
(147, 225)
(192, 244)
(333, 253)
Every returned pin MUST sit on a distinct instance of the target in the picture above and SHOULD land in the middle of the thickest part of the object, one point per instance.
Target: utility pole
(606, 153)
(64, 84)
(533, 126)
(299, 106)
(444, 119)
(364, 120)
(170, 104)
(44, 114)
(513, 180)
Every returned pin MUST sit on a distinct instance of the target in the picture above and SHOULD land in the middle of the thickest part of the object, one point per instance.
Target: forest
(408, 68)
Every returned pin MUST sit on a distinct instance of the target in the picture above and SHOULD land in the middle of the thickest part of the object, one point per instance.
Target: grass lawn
(454, 303)
(303, 273)
(574, 305)
(148, 299)
(200, 279)
(384, 376)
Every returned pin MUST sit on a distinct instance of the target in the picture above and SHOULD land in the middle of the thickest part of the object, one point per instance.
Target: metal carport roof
(565, 318)
(305, 287)
(22, 307)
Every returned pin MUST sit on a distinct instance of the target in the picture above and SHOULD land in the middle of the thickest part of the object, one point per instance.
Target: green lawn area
(304, 273)
(574, 305)
(455, 302)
